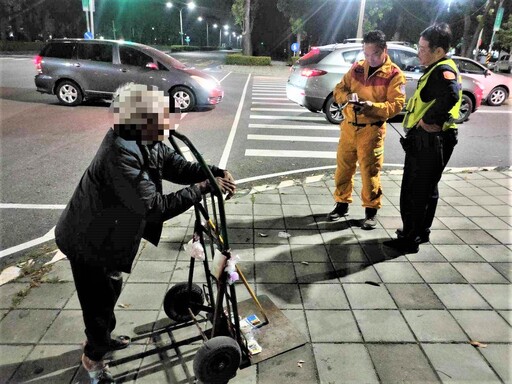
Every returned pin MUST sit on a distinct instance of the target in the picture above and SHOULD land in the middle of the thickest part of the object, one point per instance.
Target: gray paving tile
(414, 296)
(446, 211)
(377, 235)
(10, 290)
(443, 236)
(484, 326)
(283, 368)
(507, 315)
(26, 325)
(344, 236)
(311, 237)
(309, 253)
(316, 273)
(398, 273)
(181, 272)
(315, 190)
(183, 220)
(458, 200)
(152, 271)
(262, 198)
(271, 252)
(128, 321)
(499, 210)
(264, 223)
(295, 189)
(479, 273)
(11, 357)
(498, 253)
(346, 253)
(66, 328)
(490, 223)
(439, 273)
(459, 296)
(294, 199)
(378, 253)
(434, 326)
(332, 326)
(457, 253)
(164, 252)
(240, 236)
(296, 210)
(323, 296)
(365, 296)
(383, 326)
(344, 363)
(239, 221)
(499, 356)
(49, 364)
(472, 191)
(274, 273)
(498, 295)
(298, 319)
(428, 253)
(504, 236)
(284, 296)
(471, 236)
(458, 223)
(61, 272)
(356, 273)
(459, 363)
(173, 234)
(235, 208)
(143, 296)
(300, 222)
(505, 269)
(401, 363)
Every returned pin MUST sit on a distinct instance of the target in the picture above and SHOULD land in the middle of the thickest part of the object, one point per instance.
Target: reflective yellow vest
(416, 108)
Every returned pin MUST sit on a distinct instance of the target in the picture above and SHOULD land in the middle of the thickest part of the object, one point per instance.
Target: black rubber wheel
(69, 93)
(332, 111)
(497, 96)
(176, 302)
(185, 97)
(217, 360)
(466, 108)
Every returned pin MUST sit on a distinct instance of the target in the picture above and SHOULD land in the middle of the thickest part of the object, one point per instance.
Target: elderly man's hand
(431, 128)
(226, 184)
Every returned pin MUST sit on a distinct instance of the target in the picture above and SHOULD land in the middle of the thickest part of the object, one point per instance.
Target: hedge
(21, 46)
(239, 59)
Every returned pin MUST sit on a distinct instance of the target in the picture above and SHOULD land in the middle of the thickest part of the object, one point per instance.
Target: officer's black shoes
(404, 245)
(370, 221)
(340, 210)
(423, 238)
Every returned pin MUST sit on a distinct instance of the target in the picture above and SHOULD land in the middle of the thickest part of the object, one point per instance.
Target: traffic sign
(295, 47)
(88, 35)
(86, 4)
(187, 39)
(499, 18)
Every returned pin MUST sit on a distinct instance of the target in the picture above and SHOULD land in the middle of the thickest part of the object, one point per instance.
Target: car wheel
(332, 111)
(69, 93)
(497, 96)
(185, 98)
(466, 108)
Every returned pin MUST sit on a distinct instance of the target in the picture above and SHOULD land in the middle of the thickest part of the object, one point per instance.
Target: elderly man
(118, 201)
(375, 90)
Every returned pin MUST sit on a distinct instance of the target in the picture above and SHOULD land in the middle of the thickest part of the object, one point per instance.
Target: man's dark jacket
(119, 200)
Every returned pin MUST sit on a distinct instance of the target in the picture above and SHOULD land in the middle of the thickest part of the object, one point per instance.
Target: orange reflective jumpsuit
(364, 142)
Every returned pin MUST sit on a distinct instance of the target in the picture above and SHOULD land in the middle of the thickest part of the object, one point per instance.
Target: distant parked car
(496, 87)
(504, 64)
(76, 69)
(314, 76)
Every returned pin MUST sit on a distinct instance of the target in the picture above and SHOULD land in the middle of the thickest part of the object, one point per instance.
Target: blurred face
(374, 55)
(426, 54)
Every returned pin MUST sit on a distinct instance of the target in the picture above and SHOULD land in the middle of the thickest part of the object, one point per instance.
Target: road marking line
(229, 73)
(227, 149)
(299, 118)
(279, 109)
(291, 153)
(269, 98)
(311, 139)
(31, 206)
(297, 127)
(50, 235)
(269, 103)
(485, 111)
(268, 94)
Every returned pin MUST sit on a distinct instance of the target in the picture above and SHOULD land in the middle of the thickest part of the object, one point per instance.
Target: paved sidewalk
(370, 315)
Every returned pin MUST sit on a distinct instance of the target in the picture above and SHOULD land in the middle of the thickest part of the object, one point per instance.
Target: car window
(131, 56)
(161, 67)
(95, 52)
(406, 61)
(313, 57)
(466, 66)
(352, 56)
(59, 50)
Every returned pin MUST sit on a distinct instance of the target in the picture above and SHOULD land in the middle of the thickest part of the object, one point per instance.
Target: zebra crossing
(280, 128)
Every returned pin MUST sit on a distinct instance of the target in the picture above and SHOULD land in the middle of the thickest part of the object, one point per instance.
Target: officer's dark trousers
(426, 156)
(98, 290)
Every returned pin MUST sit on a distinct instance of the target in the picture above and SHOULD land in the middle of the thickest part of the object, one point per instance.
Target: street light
(200, 18)
(190, 6)
(215, 26)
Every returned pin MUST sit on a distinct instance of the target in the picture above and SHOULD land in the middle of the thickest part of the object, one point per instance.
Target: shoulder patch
(449, 75)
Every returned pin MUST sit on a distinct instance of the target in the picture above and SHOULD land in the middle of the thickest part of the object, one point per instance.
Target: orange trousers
(364, 146)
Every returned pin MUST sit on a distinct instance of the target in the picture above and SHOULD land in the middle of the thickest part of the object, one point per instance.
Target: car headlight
(208, 84)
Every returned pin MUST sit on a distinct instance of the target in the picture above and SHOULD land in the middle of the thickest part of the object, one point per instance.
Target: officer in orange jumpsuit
(373, 91)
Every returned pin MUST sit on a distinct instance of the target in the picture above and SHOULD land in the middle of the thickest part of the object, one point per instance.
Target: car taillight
(312, 72)
(38, 59)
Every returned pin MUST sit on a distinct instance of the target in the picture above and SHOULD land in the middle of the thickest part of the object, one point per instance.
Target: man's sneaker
(424, 237)
(98, 371)
(340, 210)
(370, 222)
(403, 245)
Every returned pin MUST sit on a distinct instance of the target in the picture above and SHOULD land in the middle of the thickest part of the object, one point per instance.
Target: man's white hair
(134, 102)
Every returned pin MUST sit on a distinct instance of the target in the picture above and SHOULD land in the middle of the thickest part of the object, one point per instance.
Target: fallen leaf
(124, 305)
(300, 363)
(304, 262)
(372, 283)
(284, 235)
(261, 234)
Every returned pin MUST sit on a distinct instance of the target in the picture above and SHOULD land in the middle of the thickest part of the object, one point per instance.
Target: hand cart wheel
(178, 300)
(217, 360)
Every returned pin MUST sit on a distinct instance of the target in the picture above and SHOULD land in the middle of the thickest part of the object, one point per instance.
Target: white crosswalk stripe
(274, 120)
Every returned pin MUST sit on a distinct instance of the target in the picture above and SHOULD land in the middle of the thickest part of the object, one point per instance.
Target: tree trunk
(246, 31)
(465, 49)
(474, 40)
(398, 27)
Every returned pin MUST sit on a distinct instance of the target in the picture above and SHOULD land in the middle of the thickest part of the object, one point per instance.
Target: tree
(244, 12)
(504, 35)
(298, 12)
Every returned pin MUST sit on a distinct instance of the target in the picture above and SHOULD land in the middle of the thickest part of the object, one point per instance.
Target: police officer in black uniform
(431, 135)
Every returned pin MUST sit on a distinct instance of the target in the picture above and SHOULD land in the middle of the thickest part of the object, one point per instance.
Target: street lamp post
(361, 18)
(200, 18)
(190, 6)
(226, 29)
(215, 26)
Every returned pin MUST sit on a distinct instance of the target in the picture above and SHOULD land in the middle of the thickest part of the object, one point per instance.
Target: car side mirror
(487, 72)
(151, 66)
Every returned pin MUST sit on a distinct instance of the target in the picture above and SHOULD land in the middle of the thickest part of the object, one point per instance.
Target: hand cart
(225, 346)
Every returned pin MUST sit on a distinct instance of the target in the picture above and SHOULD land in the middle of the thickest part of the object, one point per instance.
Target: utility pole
(361, 18)
(497, 23)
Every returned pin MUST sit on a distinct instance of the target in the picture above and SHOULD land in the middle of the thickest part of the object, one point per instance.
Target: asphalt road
(255, 132)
